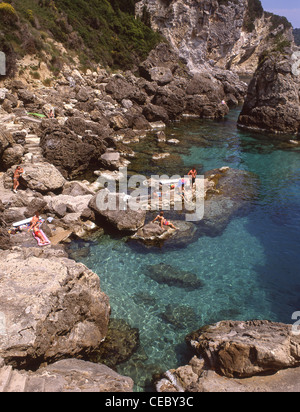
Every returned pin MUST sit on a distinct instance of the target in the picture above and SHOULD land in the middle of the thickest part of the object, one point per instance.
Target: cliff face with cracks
(272, 102)
(222, 33)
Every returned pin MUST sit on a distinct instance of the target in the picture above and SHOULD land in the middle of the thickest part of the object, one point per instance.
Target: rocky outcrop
(67, 151)
(113, 208)
(227, 34)
(243, 349)
(42, 177)
(206, 93)
(273, 100)
(233, 356)
(229, 192)
(153, 235)
(57, 311)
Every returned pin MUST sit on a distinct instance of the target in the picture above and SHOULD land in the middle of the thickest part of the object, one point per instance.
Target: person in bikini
(34, 221)
(163, 221)
(35, 226)
(18, 172)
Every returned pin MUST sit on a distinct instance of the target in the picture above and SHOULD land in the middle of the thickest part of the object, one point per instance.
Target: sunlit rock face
(222, 33)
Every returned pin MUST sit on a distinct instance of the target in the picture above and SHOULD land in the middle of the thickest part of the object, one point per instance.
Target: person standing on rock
(193, 174)
(18, 172)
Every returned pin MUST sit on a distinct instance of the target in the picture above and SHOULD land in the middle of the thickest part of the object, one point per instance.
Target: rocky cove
(54, 313)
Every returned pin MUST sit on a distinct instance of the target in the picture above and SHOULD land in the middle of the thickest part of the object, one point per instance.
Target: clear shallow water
(250, 271)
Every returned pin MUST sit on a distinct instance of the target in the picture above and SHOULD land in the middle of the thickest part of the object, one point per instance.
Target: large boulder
(120, 88)
(6, 141)
(120, 216)
(4, 236)
(243, 349)
(153, 235)
(273, 100)
(57, 310)
(71, 154)
(238, 356)
(12, 155)
(42, 177)
(230, 192)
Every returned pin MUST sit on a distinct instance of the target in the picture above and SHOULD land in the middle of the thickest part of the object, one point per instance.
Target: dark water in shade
(250, 271)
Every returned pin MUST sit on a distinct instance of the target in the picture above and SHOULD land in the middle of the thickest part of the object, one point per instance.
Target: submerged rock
(172, 276)
(179, 316)
(121, 342)
(231, 193)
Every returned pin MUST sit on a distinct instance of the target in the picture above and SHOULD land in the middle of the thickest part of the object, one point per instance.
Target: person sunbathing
(35, 221)
(163, 221)
(38, 234)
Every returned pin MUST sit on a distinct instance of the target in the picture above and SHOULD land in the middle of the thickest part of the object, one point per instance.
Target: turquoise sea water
(250, 271)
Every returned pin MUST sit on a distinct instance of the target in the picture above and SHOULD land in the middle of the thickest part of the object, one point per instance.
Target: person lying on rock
(18, 172)
(163, 221)
(38, 233)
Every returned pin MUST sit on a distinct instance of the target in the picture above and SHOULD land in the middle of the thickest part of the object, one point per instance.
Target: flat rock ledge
(236, 356)
(70, 375)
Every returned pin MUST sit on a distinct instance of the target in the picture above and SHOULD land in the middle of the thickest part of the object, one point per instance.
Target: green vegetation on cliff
(98, 30)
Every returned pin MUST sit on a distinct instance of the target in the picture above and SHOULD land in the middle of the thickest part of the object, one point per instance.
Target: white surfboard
(23, 222)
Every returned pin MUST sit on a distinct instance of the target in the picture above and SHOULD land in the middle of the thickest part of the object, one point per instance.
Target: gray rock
(161, 75)
(12, 155)
(153, 235)
(237, 356)
(123, 220)
(244, 349)
(70, 375)
(42, 177)
(57, 310)
(273, 99)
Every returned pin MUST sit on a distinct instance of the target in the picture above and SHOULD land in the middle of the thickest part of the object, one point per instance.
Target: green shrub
(8, 14)
(254, 11)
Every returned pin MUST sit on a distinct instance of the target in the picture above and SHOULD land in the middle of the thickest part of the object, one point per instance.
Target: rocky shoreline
(53, 313)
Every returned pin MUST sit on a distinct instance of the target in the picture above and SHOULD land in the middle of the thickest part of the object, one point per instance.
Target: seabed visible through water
(250, 271)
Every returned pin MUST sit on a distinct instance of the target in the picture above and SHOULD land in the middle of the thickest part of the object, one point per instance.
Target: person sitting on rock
(163, 221)
(18, 172)
(35, 221)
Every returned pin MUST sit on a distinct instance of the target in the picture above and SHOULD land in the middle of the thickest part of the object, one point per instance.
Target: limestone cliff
(223, 33)
(273, 99)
